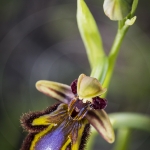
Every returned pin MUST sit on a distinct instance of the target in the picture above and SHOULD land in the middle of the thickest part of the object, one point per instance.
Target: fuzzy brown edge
(85, 136)
(27, 119)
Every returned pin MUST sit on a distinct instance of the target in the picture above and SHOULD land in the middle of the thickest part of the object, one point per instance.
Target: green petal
(100, 121)
(56, 90)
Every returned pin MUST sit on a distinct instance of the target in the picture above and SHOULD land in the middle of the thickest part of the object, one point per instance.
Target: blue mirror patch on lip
(54, 137)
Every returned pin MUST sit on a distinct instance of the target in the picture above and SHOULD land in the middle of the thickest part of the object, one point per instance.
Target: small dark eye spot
(74, 86)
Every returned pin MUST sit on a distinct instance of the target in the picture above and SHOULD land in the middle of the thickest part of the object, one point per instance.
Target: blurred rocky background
(40, 40)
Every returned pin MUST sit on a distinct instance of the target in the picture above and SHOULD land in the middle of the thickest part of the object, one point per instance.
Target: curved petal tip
(100, 121)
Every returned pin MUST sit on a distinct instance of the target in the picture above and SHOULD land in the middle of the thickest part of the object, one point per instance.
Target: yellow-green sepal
(100, 121)
(61, 92)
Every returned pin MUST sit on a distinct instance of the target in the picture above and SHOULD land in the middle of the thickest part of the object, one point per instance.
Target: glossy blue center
(51, 141)
(54, 140)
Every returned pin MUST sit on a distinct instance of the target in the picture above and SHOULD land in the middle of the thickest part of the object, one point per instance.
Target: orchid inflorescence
(66, 125)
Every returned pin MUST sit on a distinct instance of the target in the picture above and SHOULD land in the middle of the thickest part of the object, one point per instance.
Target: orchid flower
(66, 125)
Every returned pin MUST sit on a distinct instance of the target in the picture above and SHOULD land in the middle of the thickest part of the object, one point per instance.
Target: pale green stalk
(122, 29)
(130, 120)
(123, 139)
(114, 53)
(124, 122)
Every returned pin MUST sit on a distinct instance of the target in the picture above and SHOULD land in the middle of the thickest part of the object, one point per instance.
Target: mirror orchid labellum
(66, 125)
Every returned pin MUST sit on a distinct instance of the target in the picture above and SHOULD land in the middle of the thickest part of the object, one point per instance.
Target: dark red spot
(74, 86)
(99, 103)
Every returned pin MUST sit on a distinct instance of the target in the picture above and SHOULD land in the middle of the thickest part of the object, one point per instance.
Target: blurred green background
(40, 40)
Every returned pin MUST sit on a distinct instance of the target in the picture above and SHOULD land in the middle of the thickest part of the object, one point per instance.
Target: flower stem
(123, 139)
(130, 120)
(114, 53)
(123, 122)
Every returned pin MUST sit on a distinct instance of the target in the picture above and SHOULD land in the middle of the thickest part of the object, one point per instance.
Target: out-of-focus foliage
(40, 40)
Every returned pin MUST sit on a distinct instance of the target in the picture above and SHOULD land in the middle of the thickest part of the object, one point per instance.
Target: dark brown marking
(95, 116)
(61, 94)
(27, 141)
(85, 136)
(27, 119)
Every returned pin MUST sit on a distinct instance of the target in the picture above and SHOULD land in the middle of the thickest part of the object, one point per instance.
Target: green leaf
(100, 69)
(130, 120)
(89, 33)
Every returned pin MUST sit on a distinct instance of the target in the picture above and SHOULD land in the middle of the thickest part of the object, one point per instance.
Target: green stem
(124, 122)
(123, 139)
(130, 120)
(114, 53)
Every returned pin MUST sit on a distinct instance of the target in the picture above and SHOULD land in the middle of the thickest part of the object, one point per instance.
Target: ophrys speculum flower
(65, 126)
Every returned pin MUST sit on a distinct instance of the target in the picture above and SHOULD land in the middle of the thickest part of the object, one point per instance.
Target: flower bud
(131, 21)
(117, 9)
